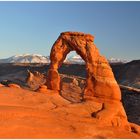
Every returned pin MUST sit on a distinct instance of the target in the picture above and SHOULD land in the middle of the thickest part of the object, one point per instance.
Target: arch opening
(72, 78)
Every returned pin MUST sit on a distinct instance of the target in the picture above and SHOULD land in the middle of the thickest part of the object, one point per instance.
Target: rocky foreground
(28, 114)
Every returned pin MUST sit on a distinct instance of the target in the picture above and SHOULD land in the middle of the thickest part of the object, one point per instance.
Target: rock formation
(75, 82)
(13, 85)
(1, 85)
(35, 79)
(71, 90)
(42, 89)
(100, 79)
(100, 83)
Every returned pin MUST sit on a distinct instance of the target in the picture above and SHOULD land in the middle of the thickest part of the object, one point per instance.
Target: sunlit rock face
(100, 79)
(100, 82)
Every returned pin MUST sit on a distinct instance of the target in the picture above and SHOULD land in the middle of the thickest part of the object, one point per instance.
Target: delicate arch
(100, 80)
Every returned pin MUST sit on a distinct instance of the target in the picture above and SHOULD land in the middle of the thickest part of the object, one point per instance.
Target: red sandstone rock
(42, 89)
(1, 85)
(35, 79)
(75, 82)
(26, 114)
(100, 80)
(13, 86)
(135, 128)
(53, 79)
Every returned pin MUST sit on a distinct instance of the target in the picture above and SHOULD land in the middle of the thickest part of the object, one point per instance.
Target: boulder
(1, 85)
(42, 89)
(13, 86)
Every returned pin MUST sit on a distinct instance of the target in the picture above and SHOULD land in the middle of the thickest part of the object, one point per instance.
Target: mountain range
(26, 58)
(37, 58)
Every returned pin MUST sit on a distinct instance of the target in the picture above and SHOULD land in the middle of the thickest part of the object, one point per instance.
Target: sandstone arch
(100, 80)
(101, 85)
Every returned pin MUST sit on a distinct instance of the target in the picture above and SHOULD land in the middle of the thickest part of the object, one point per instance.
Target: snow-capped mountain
(26, 58)
(78, 60)
(37, 58)
(75, 60)
(116, 60)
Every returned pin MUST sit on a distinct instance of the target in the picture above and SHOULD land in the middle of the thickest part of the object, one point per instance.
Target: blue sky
(33, 27)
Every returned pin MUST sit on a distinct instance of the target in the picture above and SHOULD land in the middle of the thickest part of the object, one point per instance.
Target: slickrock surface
(18, 73)
(26, 114)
